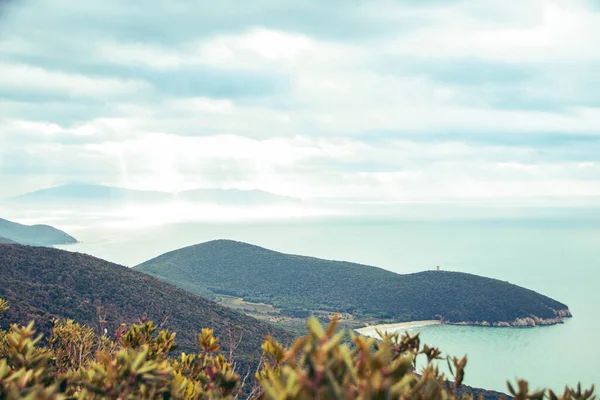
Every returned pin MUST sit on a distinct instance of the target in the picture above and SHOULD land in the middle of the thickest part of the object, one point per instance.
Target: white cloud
(21, 77)
(265, 43)
(137, 54)
(537, 32)
(249, 50)
(326, 167)
(374, 105)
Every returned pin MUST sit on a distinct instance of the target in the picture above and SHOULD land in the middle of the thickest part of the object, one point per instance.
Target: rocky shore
(560, 315)
(531, 321)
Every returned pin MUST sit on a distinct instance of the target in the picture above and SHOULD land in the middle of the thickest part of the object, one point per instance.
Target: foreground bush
(138, 363)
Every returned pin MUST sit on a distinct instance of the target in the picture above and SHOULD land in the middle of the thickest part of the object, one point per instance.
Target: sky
(426, 101)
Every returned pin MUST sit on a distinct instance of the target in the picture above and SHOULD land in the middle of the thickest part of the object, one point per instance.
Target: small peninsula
(250, 277)
(34, 235)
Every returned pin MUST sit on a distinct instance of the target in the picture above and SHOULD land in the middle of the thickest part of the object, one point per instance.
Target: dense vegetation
(44, 283)
(38, 235)
(297, 283)
(140, 363)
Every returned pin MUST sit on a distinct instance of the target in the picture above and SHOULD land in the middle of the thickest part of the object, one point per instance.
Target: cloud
(390, 100)
(389, 170)
(24, 78)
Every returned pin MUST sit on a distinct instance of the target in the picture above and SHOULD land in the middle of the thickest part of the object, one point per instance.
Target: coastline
(371, 330)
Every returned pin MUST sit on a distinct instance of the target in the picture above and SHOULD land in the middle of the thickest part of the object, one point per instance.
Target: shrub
(138, 363)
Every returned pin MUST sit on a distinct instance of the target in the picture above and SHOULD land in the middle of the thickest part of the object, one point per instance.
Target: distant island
(35, 235)
(110, 195)
(263, 281)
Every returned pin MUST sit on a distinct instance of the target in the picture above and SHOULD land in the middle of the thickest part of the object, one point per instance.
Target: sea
(555, 252)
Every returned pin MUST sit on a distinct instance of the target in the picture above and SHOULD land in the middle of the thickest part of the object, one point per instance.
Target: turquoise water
(559, 257)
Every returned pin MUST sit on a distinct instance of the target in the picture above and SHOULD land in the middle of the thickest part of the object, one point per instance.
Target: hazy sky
(425, 100)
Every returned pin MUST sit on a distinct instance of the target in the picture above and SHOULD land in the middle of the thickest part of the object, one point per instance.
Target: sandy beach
(371, 330)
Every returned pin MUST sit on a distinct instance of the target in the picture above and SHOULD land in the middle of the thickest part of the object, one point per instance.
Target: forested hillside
(43, 283)
(298, 283)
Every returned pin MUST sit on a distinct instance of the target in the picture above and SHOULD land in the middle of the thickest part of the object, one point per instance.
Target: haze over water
(556, 254)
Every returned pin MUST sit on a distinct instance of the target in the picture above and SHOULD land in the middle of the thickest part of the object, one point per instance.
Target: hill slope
(44, 283)
(6, 241)
(297, 282)
(42, 235)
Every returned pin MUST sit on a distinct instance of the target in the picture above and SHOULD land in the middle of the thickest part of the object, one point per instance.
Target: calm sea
(558, 256)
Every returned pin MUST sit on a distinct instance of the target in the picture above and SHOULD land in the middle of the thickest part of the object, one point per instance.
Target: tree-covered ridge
(36, 235)
(305, 283)
(140, 362)
(44, 283)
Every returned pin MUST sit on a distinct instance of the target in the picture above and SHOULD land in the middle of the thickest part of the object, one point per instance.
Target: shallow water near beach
(558, 257)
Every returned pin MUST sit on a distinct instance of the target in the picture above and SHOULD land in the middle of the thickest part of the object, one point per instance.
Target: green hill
(298, 283)
(36, 235)
(43, 283)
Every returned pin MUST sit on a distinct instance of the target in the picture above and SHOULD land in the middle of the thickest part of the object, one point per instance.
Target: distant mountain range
(44, 283)
(36, 235)
(91, 194)
(295, 282)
